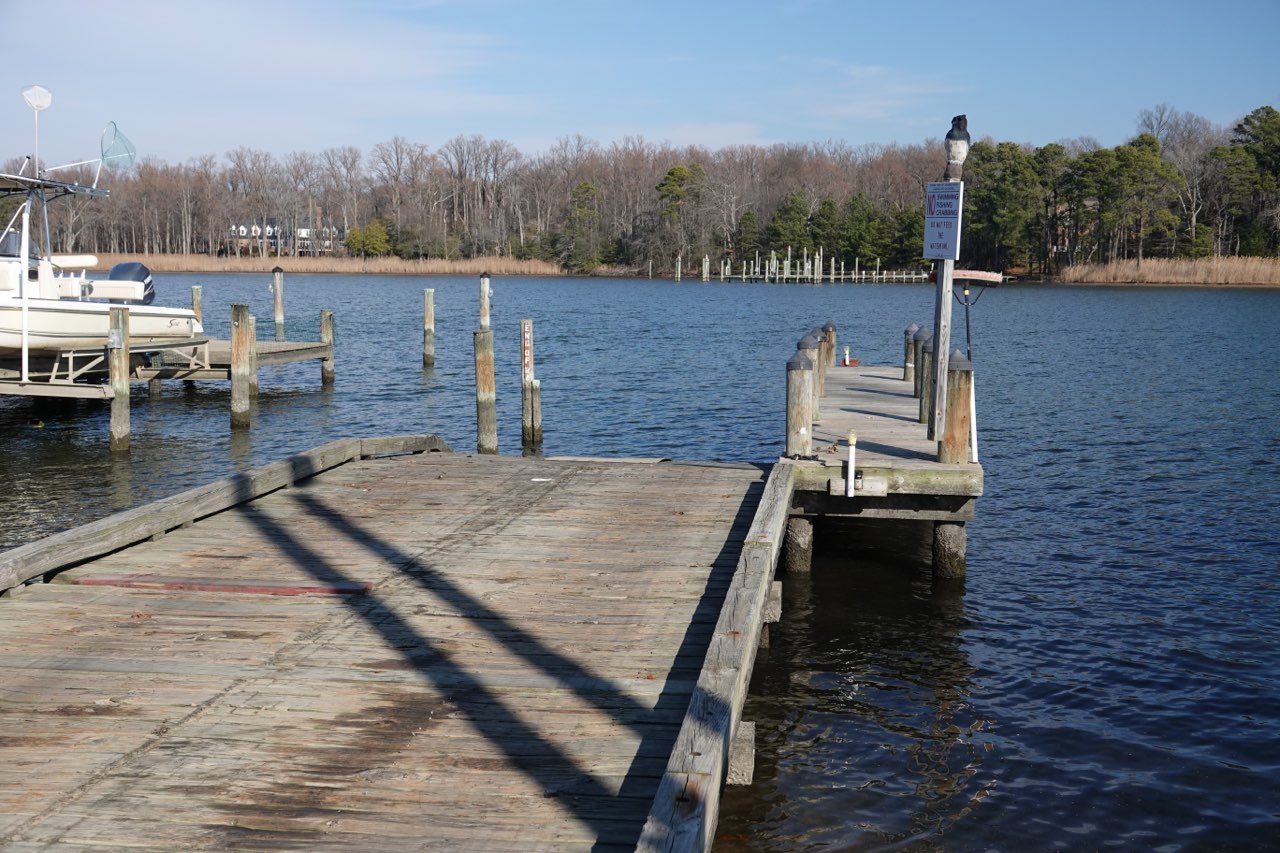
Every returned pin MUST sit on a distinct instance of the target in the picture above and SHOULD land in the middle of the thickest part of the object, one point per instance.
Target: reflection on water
(868, 668)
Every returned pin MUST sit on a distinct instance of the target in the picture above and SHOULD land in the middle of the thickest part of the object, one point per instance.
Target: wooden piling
(118, 367)
(917, 348)
(926, 387)
(953, 438)
(241, 365)
(950, 544)
(253, 356)
(809, 346)
(829, 331)
(429, 327)
(326, 337)
(530, 391)
(277, 290)
(909, 353)
(197, 302)
(486, 401)
(799, 406)
(485, 293)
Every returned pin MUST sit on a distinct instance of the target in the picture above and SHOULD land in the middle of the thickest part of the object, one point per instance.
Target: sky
(188, 78)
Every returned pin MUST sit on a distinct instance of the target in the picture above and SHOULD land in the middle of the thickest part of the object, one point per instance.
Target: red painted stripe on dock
(217, 585)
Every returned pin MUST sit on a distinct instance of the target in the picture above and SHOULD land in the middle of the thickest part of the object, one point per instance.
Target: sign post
(943, 202)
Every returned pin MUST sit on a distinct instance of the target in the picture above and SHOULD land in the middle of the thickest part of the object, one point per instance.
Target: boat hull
(56, 325)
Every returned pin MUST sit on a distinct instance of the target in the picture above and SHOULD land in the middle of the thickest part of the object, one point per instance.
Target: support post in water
(253, 356)
(486, 402)
(950, 544)
(118, 370)
(909, 353)
(326, 338)
(799, 406)
(953, 438)
(277, 289)
(240, 365)
(197, 302)
(530, 391)
(485, 293)
(429, 327)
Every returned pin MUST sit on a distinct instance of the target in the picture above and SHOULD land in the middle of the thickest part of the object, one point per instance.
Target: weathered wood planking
(514, 678)
(893, 450)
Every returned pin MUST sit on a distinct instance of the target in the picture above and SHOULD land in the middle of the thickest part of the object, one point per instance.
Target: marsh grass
(1263, 272)
(346, 266)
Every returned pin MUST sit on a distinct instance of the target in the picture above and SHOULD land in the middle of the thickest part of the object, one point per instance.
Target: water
(1106, 678)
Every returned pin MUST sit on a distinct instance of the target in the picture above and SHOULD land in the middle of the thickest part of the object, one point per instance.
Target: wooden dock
(347, 650)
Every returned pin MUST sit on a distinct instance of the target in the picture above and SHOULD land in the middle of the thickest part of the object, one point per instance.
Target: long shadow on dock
(593, 802)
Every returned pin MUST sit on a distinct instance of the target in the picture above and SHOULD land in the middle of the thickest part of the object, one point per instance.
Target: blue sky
(185, 78)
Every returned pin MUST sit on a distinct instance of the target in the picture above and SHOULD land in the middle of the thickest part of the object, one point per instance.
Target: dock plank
(514, 675)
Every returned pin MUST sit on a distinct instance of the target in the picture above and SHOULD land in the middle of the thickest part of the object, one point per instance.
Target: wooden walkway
(436, 651)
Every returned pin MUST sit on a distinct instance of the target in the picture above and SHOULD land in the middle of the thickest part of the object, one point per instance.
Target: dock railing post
(530, 397)
(241, 359)
(926, 387)
(118, 370)
(326, 338)
(917, 347)
(908, 353)
(429, 327)
(809, 346)
(277, 289)
(799, 406)
(953, 438)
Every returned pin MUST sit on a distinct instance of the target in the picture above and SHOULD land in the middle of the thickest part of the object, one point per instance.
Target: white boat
(48, 304)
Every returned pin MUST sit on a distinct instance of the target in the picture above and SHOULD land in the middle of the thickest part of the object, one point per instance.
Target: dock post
(953, 439)
(277, 289)
(429, 327)
(326, 338)
(241, 365)
(809, 346)
(820, 364)
(799, 406)
(926, 388)
(253, 356)
(917, 346)
(829, 331)
(485, 293)
(908, 353)
(197, 302)
(950, 543)
(797, 546)
(486, 403)
(118, 367)
(531, 396)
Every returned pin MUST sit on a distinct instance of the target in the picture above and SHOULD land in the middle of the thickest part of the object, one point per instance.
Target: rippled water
(1106, 678)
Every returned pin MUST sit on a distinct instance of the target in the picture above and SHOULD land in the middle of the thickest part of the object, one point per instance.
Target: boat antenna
(38, 98)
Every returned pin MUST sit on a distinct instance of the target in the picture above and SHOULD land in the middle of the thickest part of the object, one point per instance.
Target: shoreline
(1208, 272)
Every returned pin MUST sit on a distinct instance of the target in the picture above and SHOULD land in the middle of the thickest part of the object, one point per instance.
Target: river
(1108, 675)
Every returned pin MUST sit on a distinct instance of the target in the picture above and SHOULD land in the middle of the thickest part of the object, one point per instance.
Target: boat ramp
(382, 644)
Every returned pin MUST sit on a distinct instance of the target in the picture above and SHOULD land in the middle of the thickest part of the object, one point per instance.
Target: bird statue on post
(957, 145)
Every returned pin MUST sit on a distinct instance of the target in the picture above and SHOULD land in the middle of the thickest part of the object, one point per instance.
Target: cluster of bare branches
(1177, 190)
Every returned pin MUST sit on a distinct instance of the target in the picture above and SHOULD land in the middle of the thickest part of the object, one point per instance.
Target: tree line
(1183, 187)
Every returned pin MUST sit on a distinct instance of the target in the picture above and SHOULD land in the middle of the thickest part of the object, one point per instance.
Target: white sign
(942, 204)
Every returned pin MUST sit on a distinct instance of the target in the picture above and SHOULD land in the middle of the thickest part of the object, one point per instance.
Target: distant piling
(429, 327)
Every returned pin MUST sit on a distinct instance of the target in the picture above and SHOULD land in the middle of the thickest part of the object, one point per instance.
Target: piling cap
(927, 346)
(809, 341)
(830, 327)
(959, 362)
(275, 270)
(922, 334)
(912, 329)
(799, 361)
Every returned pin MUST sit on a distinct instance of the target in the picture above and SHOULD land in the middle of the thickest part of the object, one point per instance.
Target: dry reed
(348, 266)
(1259, 272)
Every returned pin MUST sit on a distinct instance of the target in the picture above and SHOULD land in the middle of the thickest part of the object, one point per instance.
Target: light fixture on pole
(38, 98)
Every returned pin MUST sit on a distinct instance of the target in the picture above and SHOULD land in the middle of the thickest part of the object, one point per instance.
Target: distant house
(272, 237)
